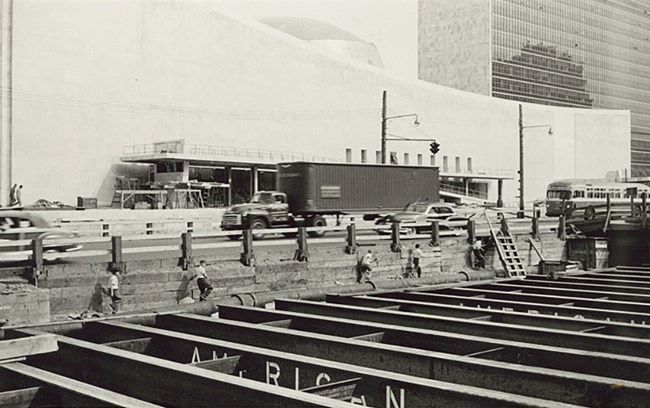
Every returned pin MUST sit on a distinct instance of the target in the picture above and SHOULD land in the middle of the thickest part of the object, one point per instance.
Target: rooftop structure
(328, 37)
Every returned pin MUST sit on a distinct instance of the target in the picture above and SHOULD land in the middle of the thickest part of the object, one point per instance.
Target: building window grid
(626, 70)
(593, 31)
(579, 48)
(627, 91)
(620, 67)
(535, 100)
(566, 16)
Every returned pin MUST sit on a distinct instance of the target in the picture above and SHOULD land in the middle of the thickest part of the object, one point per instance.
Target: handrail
(461, 191)
(221, 151)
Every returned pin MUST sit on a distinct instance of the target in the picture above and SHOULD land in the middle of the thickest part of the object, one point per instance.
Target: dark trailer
(339, 188)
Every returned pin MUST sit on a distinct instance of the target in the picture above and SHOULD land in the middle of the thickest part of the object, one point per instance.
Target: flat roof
(197, 160)
(194, 160)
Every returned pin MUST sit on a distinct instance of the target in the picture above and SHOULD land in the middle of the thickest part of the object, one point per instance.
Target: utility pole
(383, 128)
(6, 30)
(520, 213)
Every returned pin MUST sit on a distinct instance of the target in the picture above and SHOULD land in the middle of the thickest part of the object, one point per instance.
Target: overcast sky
(392, 25)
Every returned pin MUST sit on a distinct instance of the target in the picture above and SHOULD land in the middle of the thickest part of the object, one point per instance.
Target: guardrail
(461, 191)
(114, 249)
(271, 156)
(635, 211)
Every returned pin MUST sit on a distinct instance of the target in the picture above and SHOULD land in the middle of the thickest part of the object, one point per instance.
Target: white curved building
(88, 78)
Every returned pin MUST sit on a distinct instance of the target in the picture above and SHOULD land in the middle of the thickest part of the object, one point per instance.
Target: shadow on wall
(106, 189)
(97, 299)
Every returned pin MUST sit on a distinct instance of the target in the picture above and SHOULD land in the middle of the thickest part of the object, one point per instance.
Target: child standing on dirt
(202, 281)
(417, 254)
(114, 289)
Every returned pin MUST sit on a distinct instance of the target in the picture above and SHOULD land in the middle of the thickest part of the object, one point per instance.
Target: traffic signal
(434, 147)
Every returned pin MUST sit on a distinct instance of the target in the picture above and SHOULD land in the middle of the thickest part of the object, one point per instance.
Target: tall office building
(574, 53)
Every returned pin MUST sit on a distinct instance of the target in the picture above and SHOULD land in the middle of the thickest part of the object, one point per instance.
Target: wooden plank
(419, 391)
(93, 395)
(373, 337)
(26, 346)
(134, 345)
(225, 365)
(166, 382)
(18, 398)
(341, 390)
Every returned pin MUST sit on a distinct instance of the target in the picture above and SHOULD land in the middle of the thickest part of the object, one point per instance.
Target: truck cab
(265, 209)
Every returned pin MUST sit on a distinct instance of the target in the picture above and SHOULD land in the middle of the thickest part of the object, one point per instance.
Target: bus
(573, 196)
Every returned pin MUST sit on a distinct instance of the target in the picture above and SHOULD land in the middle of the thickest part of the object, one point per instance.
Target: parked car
(24, 225)
(416, 218)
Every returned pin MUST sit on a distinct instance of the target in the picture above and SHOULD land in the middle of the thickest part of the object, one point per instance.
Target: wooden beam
(19, 398)
(573, 352)
(164, 382)
(304, 372)
(90, 395)
(226, 365)
(134, 345)
(26, 346)
(557, 386)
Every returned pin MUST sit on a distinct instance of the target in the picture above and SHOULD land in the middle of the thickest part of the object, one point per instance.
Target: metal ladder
(507, 248)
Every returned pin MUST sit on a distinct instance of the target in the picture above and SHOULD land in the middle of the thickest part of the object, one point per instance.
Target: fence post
(395, 238)
(351, 247)
(247, 257)
(535, 226)
(561, 230)
(644, 208)
(186, 247)
(471, 231)
(116, 252)
(37, 260)
(435, 233)
(302, 254)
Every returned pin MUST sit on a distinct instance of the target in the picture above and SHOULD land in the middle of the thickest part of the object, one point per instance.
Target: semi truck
(307, 192)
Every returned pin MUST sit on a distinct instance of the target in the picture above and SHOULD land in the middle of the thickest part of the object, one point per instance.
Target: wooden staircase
(507, 249)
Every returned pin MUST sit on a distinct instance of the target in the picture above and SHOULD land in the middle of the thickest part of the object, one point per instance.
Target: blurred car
(416, 218)
(23, 225)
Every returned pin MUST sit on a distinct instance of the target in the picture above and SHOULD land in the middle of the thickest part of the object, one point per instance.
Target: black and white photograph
(324, 203)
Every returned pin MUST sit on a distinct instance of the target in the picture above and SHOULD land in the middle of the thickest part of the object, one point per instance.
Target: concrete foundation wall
(153, 284)
(21, 303)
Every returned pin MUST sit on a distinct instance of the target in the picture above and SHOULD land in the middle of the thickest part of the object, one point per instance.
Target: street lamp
(384, 119)
(520, 213)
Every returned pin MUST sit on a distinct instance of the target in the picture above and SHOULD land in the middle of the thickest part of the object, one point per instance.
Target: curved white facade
(91, 77)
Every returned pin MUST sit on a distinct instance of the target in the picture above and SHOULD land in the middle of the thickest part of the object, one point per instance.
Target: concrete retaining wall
(153, 284)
